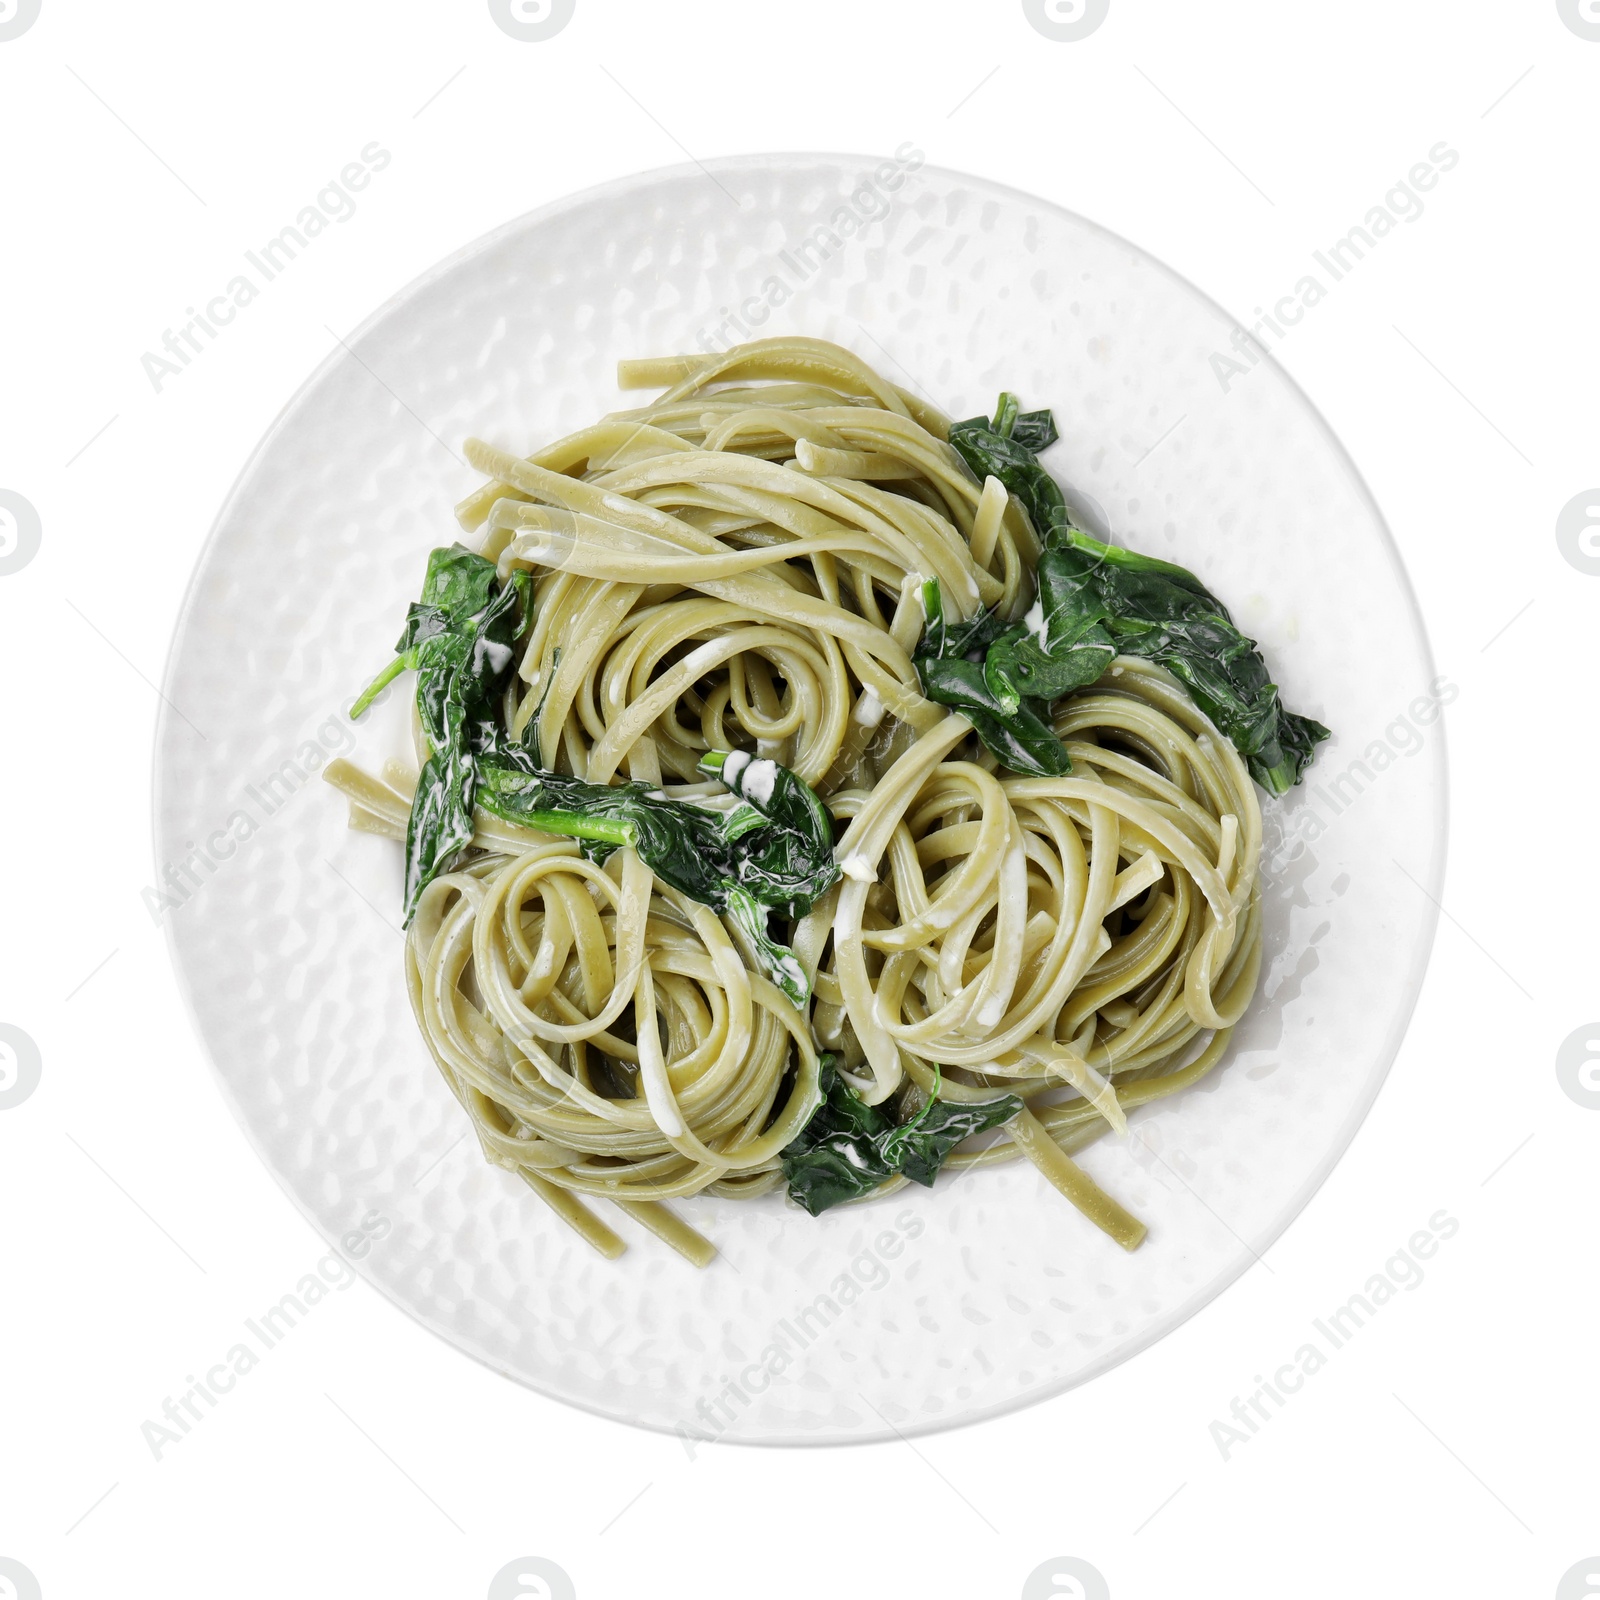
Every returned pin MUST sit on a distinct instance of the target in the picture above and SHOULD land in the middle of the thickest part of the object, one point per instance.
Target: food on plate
(803, 800)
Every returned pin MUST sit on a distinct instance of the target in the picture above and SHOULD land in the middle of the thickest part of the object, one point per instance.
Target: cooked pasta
(742, 567)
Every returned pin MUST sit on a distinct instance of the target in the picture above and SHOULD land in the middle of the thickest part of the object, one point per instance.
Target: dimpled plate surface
(928, 1308)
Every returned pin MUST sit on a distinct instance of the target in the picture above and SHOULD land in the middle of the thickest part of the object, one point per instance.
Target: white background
(1447, 1448)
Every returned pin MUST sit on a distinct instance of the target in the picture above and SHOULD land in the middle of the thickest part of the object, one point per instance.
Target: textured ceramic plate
(929, 1308)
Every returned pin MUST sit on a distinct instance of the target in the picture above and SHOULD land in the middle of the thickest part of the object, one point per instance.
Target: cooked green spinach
(838, 1155)
(1095, 601)
(460, 638)
(997, 449)
(918, 1148)
(848, 1148)
(950, 664)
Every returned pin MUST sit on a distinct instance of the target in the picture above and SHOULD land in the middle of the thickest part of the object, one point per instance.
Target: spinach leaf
(1096, 600)
(778, 961)
(460, 638)
(1035, 430)
(1100, 600)
(1007, 448)
(1066, 642)
(949, 663)
(785, 857)
(848, 1148)
(919, 1147)
(837, 1156)
(1059, 647)
(1032, 430)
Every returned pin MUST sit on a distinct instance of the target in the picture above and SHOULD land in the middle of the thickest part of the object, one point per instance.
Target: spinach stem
(1005, 415)
(608, 830)
(378, 685)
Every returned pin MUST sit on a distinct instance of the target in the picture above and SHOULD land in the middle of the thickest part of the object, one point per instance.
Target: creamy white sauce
(792, 973)
(869, 710)
(702, 658)
(858, 867)
(497, 655)
(758, 780)
(657, 1090)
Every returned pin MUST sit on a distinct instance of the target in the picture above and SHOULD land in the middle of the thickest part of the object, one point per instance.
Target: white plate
(930, 1308)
